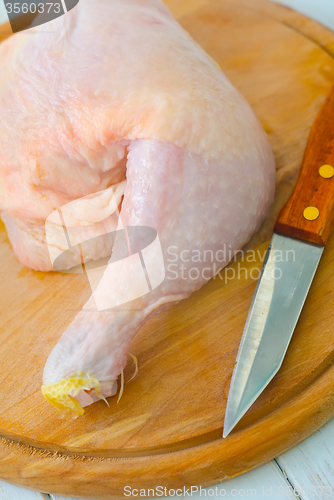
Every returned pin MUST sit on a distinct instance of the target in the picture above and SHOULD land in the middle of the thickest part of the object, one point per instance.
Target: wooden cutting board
(167, 428)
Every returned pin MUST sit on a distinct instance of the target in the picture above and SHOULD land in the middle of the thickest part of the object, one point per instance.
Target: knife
(300, 235)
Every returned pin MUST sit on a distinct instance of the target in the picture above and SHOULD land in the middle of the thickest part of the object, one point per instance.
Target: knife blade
(300, 235)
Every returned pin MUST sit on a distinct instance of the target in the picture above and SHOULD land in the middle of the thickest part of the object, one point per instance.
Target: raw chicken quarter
(113, 117)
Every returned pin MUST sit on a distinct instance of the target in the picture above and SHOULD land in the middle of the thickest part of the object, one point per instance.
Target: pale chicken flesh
(116, 101)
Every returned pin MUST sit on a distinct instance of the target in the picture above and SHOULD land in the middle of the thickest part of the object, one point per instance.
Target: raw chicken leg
(117, 98)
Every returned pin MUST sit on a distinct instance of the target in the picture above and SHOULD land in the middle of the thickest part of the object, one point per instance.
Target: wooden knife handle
(309, 213)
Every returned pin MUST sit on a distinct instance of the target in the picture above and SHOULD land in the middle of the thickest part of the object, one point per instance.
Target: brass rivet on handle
(311, 213)
(326, 171)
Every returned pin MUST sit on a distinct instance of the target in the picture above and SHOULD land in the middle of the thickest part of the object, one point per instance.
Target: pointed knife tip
(225, 434)
(228, 428)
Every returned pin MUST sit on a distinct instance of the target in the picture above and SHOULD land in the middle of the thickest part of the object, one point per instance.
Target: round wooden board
(167, 428)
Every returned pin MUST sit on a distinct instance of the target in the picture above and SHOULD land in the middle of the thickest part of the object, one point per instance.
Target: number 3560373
(41, 8)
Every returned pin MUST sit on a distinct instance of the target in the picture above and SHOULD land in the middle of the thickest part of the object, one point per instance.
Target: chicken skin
(113, 119)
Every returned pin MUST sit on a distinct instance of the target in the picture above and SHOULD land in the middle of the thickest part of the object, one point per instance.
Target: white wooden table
(306, 471)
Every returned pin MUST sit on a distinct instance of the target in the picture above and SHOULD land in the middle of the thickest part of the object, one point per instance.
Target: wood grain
(312, 190)
(252, 483)
(167, 427)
